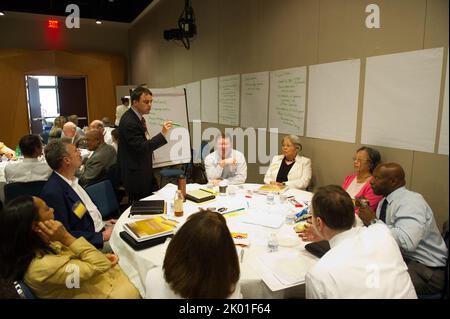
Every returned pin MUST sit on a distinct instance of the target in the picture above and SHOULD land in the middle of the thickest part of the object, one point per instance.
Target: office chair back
(23, 290)
(13, 190)
(104, 197)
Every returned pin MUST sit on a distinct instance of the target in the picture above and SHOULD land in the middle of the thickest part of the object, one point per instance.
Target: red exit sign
(53, 24)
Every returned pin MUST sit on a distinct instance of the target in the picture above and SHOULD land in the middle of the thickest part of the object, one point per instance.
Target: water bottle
(272, 244)
(18, 151)
(182, 186)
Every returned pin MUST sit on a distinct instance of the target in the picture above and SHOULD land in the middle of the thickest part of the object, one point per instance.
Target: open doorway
(49, 96)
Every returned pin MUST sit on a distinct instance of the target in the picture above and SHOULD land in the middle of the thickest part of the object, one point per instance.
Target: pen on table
(233, 211)
(208, 191)
(242, 255)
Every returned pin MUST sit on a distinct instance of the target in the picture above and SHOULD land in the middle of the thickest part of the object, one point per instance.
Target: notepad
(150, 228)
(199, 196)
(268, 188)
(148, 207)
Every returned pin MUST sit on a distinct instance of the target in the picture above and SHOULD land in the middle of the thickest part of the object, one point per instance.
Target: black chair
(13, 190)
(104, 197)
(23, 290)
(444, 293)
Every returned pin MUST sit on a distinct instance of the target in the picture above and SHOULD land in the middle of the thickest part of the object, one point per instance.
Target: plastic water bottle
(18, 151)
(272, 244)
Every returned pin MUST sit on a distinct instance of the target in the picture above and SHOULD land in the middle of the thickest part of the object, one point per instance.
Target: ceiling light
(98, 21)
(2, 13)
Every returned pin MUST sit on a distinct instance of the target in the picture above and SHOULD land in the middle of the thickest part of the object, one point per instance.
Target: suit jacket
(47, 273)
(61, 197)
(298, 177)
(135, 152)
(96, 166)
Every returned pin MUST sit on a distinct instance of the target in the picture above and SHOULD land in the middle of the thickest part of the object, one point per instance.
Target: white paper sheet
(229, 87)
(254, 99)
(443, 139)
(287, 100)
(287, 266)
(263, 219)
(210, 100)
(333, 100)
(401, 100)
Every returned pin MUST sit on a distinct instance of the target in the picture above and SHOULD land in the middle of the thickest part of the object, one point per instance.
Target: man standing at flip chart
(135, 149)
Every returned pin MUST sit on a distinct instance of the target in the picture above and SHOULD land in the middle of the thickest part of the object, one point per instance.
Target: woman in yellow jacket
(54, 264)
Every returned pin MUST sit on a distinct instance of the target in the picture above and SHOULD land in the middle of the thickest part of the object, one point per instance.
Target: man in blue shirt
(411, 222)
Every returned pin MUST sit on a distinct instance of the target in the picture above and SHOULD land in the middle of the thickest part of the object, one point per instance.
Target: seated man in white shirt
(73, 206)
(225, 163)
(98, 125)
(31, 168)
(363, 262)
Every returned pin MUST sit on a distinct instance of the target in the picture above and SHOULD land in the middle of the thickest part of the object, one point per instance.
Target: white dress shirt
(233, 174)
(27, 170)
(298, 177)
(107, 135)
(363, 263)
(87, 201)
(156, 287)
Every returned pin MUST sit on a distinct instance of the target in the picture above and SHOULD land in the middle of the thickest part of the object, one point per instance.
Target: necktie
(383, 210)
(144, 124)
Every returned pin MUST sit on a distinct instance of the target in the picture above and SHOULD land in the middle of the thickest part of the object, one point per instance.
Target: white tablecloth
(2, 180)
(257, 279)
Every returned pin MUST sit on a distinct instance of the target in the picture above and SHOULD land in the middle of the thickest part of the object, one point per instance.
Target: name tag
(79, 209)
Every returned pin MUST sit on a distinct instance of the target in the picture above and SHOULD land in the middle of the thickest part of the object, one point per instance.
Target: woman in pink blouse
(357, 185)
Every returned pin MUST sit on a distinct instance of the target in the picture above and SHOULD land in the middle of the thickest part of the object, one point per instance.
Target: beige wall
(103, 73)
(29, 31)
(236, 36)
(98, 52)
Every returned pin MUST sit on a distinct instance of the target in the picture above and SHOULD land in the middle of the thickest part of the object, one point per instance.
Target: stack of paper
(288, 268)
(150, 228)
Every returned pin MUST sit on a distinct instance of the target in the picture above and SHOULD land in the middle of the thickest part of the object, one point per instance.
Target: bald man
(99, 125)
(70, 131)
(96, 166)
(411, 222)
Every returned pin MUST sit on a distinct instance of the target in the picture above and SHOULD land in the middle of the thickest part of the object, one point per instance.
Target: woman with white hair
(289, 168)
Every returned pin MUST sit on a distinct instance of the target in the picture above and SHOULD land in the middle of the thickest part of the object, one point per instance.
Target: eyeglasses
(360, 160)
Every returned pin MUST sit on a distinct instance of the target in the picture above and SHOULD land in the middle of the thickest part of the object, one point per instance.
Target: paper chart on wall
(210, 100)
(254, 99)
(287, 100)
(401, 100)
(443, 139)
(229, 99)
(193, 100)
(333, 90)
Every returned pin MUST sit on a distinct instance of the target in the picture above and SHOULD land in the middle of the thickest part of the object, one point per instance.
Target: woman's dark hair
(334, 206)
(374, 157)
(18, 242)
(201, 260)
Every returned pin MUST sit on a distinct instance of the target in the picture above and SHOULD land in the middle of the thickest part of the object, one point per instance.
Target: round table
(258, 277)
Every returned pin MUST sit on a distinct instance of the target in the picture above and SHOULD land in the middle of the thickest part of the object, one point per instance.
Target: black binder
(148, 207)
(143, 244)
(319, 248)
